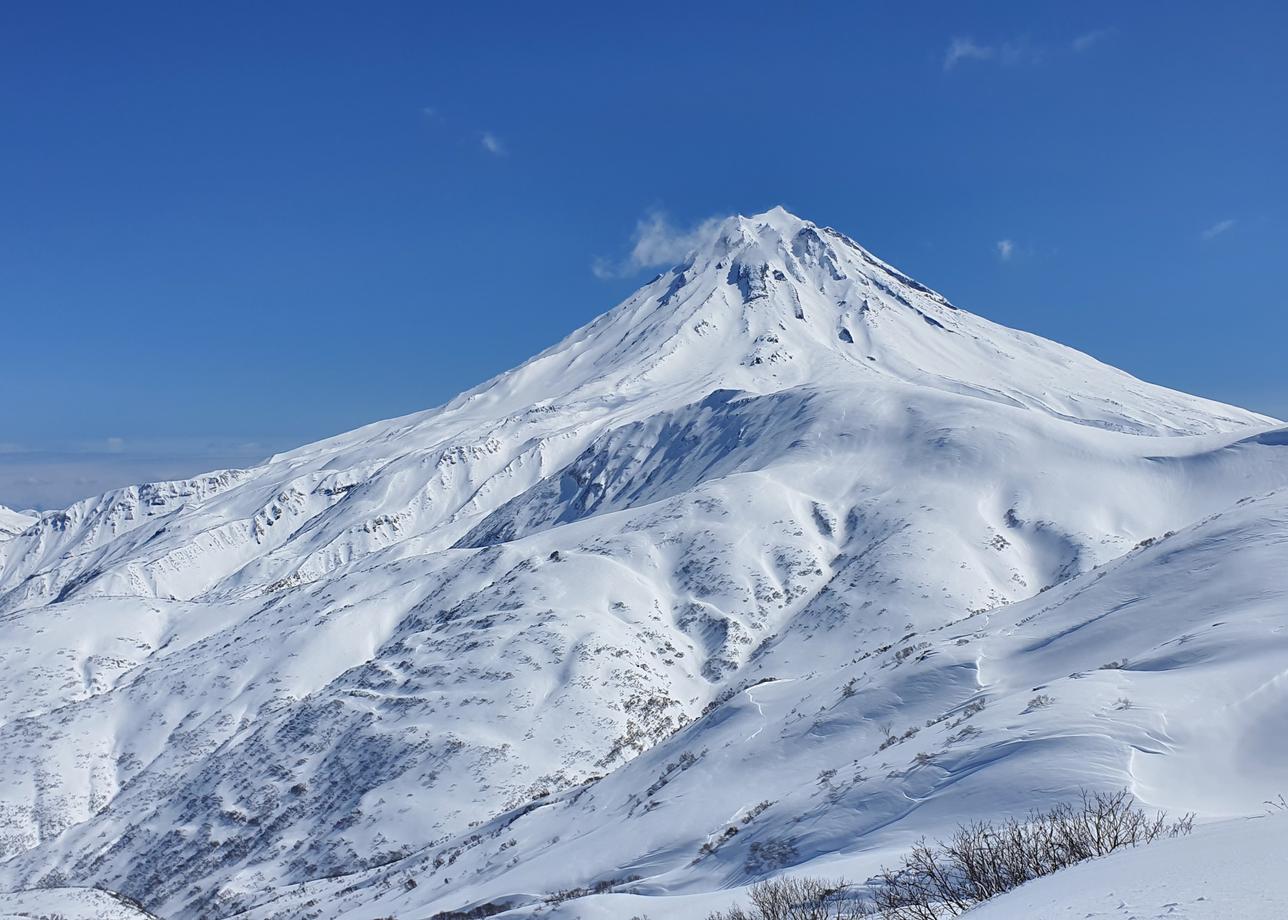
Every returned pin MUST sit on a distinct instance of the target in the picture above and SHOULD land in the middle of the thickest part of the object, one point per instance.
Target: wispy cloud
(492, 144)
(656, 242)
(1005, 249)
(1009, 53)
(1020, 50)
(964, 48)
(429, 111)
(1221, 226)
(1088, 40)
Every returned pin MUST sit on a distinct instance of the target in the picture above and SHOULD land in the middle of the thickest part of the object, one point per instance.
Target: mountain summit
(659, 610)
(772, 301)
(767, 304)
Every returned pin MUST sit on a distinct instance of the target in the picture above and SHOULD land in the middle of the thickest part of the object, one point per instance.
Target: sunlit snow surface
(1232, 871)
(717, 547)
(66, 904)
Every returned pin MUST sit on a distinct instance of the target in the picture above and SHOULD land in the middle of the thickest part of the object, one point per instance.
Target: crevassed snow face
(749, 537)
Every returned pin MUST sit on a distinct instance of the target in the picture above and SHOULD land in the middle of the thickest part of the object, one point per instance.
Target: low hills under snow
(777, 565)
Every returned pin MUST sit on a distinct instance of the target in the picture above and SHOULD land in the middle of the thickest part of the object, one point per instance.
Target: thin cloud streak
(1015, 52)
(1221, 226)
(1088, 40)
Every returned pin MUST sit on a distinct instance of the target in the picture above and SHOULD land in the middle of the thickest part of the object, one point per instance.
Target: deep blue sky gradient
(230, 228)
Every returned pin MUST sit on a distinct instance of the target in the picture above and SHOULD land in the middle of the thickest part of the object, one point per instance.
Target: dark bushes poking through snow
(979, 861)
(982, 860)
(798, 899)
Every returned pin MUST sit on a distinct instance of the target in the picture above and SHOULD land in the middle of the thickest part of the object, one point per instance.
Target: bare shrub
(979, 861)
(982, 860)
(765, 856)
(797, 899)
(972, 709)
(1041, 701)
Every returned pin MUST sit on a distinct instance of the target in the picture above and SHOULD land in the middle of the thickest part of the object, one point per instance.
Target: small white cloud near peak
(492, 144)
(656, 243)
(1221, 226)
(115, 445)
(965, 48)
(1005, 249)
(1088, 40)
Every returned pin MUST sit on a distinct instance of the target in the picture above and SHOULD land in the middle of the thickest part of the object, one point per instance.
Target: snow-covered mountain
(13, 523)
(673, 605)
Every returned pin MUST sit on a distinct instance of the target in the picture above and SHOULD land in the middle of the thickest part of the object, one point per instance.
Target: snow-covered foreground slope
(1162, 672)
(708, 548)
(1232, 871)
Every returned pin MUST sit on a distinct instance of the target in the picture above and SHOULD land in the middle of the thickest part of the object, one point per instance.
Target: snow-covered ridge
(772, 302)
(12, 523)
(652, 554)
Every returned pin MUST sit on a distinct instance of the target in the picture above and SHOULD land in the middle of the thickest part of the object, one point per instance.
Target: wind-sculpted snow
(1109, 680)
(682, 598)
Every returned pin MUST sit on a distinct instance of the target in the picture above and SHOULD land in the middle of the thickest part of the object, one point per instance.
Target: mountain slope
(766, 465)
(1161, 671)
(66, 904)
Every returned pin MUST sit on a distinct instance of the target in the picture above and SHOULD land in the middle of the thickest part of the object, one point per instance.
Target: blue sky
(230, 228)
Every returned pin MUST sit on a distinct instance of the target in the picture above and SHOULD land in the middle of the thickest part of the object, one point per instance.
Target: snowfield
(776, 566)
(66, 904)
(1233, 871)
